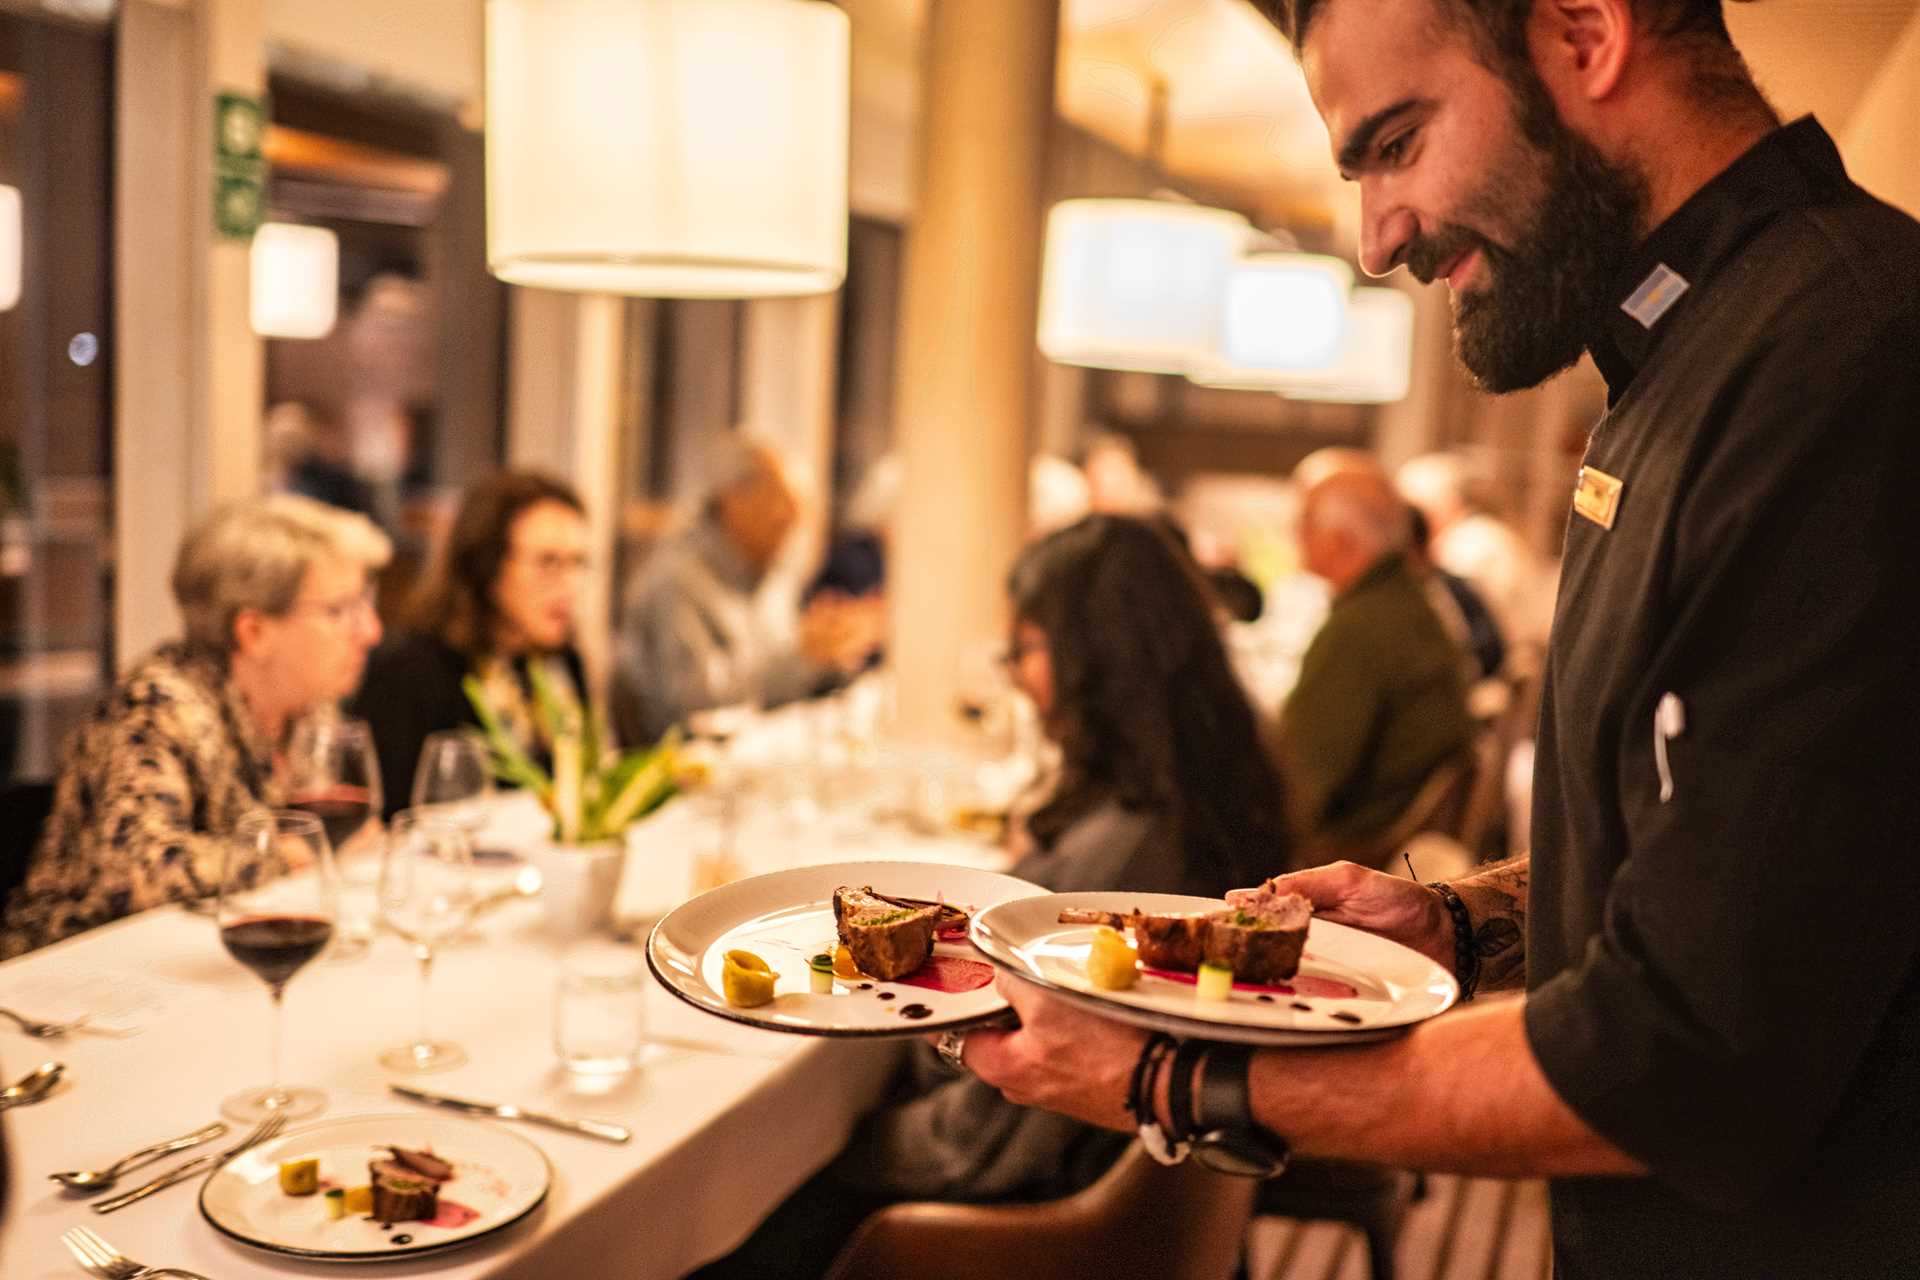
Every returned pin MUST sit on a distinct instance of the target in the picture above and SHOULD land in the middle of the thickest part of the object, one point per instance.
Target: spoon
(31, 1087)
(101, 1179)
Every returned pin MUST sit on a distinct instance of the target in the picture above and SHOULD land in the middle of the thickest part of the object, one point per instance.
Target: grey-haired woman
(278, 612)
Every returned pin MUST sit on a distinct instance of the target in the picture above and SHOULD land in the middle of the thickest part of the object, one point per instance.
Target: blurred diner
(1379, 710)
(697, 632)
(500, 598)
(1164, 785)
(276, 598)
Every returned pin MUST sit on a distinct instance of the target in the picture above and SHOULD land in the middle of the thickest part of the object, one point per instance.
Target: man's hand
(1350, 894)
(1060, 1059)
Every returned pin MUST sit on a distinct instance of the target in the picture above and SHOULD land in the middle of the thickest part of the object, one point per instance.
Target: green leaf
(510, 762)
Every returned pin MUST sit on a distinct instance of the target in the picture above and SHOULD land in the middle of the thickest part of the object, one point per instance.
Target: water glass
(600, 1010)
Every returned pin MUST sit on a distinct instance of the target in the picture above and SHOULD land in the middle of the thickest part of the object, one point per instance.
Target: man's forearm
(1460, 1094)
(1496, 902)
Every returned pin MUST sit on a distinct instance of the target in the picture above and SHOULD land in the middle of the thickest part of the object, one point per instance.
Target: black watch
(1225, 1138)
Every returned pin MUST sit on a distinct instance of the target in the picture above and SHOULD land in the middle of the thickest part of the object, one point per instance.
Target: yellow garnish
(1110, 962)
(300, 1177)
(843, 966)
(746, 980)
(360, 1199)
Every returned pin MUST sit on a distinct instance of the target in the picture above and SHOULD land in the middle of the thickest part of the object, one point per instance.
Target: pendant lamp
(295, 281)
(12, 247)
(1285, 312)
(1376, 366)
(668, 148)
(1136, 284)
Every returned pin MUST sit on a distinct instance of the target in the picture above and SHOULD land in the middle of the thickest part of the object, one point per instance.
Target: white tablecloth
(727, 1119)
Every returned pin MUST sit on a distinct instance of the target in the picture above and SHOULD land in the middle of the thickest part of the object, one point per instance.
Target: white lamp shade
(296, 281)
(1136, 284)
(12, 247)
(1286, 311)
(668, 148)
(1376, 367)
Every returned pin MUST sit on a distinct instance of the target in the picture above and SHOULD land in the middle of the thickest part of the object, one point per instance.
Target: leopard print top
(166, 764)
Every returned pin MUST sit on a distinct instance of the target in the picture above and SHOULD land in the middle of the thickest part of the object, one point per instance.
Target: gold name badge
(1596, 495)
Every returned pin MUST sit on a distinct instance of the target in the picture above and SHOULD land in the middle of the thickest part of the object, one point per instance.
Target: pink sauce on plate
(949, 974)
(452, 1215)
(1302, 984)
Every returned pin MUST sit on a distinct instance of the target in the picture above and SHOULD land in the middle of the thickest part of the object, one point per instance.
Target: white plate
(498, 1174)
(1353, 985)
(787, 916)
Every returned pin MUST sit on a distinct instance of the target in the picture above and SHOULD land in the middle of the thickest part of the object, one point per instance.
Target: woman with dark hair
(1164, 786)
(500, 598)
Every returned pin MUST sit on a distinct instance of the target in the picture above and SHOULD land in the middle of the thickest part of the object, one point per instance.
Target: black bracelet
(1466, 960)
(1180, 1088)
(1140, 1092)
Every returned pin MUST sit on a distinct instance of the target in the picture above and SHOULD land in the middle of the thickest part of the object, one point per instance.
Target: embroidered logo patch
(1655, 296)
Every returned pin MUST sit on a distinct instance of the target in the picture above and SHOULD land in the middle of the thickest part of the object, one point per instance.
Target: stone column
(964, 404)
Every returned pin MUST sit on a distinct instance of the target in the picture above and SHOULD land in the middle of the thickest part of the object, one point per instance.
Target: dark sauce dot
(386, 1226)
(1354, 1018)
(866, 986)
(915, 1011)
(1264, 999)
(403, 1239)
(886, 995)
(1302, 1007)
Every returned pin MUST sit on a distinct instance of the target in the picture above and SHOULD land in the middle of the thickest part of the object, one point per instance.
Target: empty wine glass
(427, 896)
(454, 778)
(274, 925)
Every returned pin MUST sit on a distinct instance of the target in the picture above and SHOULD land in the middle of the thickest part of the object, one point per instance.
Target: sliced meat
(1256, 951)
(402, 1194)
(1175, 941)
(424, 1163)
(1260, 945)
(887, 941)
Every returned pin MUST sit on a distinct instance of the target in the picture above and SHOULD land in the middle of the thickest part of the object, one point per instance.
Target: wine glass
(454, 778)
(426, 896)
(333, 773)
(274, 925)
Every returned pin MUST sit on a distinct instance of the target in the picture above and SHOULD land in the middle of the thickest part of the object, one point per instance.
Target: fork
(179, 1173)
(101, 1259)
(54, 1030)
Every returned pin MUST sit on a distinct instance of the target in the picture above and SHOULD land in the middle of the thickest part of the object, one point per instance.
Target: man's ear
(1582, 46)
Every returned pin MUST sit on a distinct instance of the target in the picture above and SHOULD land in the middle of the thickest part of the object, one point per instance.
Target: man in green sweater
(1379, 705)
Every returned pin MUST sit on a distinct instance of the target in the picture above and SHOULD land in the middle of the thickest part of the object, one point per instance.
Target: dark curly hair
(1146, 709)
(1499, 30)
(454, 603)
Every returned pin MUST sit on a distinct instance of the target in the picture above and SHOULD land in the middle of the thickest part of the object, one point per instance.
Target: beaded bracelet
(1466, 960)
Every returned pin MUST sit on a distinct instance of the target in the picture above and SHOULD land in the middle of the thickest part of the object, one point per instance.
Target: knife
(507, 1111)
(180, 1173)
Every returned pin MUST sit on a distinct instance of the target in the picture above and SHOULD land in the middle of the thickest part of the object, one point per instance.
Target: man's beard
(1553, 282)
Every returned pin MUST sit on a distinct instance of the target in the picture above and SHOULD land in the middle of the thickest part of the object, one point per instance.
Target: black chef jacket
(1724, 916)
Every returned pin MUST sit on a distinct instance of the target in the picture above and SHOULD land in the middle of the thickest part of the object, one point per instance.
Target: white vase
(578, 885)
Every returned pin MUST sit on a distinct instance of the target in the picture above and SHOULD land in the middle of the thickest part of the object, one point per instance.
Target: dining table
(727, 1119)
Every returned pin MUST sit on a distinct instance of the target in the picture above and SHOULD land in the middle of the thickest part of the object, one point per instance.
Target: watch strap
(1224, 1099)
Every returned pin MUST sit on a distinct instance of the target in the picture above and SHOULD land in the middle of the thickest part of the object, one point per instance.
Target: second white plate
(1351, 986)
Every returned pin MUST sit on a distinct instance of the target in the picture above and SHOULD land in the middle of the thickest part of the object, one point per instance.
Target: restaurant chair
(1140, 1219)
(1480, 821)
(24, 807)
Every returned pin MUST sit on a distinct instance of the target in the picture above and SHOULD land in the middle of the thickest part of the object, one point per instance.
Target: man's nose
(1386, 229)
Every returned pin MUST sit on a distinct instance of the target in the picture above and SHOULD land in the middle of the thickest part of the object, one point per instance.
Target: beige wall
(1882, 141)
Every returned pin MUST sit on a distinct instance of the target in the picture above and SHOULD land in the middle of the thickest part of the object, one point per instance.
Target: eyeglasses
(344, 612)
(554, 564)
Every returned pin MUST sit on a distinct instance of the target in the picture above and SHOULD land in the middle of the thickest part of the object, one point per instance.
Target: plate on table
(498, 1178)
(1352, 985)
(787, 917)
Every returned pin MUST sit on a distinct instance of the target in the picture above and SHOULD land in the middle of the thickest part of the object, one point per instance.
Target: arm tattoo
(1496, 900)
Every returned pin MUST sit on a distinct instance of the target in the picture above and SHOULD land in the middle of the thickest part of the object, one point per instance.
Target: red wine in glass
(342, 810)
(276, 947)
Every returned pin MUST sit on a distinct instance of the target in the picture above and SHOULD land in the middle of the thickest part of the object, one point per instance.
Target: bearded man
(1711, 1037)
